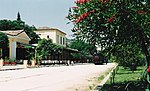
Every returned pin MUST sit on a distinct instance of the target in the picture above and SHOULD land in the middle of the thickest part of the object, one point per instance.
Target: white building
(56, 35)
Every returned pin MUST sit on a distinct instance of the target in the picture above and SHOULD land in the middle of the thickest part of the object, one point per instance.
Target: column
(12, 48)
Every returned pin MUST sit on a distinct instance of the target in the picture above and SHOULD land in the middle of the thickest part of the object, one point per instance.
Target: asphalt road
(63, 78)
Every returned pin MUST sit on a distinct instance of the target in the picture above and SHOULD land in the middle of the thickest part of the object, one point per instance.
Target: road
(63, 78)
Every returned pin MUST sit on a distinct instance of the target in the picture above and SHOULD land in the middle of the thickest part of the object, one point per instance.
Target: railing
(110, 77)
(113, 73)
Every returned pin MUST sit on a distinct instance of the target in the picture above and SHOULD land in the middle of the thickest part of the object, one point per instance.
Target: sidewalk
(17, 67)
(11, 67)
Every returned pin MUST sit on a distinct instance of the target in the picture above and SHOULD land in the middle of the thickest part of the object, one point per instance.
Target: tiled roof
(12, 32)
(44, 27)
(48, 28)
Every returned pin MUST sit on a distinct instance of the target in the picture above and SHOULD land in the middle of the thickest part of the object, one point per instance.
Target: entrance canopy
(17, 35)
(13, 37)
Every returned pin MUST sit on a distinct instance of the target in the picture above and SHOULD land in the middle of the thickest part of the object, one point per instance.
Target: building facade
(56, 35)
(15, 36)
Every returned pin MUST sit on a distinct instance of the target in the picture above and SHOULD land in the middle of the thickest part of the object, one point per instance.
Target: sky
(50, 13)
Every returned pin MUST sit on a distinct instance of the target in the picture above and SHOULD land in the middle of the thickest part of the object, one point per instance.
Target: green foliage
(57, 48)
(30, 53)
(126, 80)
(46, 48)
(113, 25)
(12, 60)
(126, 55)
(18, 25)
(92, 25)
(18, 17)
(30, 32)
(11, 25)
(85, 49)
(3, 40)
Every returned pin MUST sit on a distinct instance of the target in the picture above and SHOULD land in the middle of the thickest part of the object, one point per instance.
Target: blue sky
(40, 13)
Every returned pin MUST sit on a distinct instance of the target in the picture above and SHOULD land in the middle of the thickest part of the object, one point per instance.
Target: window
(47, 36)
(57, 39)
(64, 41)
(61, 40)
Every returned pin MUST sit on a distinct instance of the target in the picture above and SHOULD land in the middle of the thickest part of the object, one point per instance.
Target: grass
(127, 75)
(126, 80)
(101, 77)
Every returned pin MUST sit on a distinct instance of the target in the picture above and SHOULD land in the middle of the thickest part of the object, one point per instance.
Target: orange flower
(148, 69)
(111, 19)
(82, 17)
(81, 1)
(104, 1)
(92, 11)
(75, 7)
(141, 12)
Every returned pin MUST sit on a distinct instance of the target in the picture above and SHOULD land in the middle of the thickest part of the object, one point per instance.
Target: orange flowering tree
(90, 18)
(110, 23)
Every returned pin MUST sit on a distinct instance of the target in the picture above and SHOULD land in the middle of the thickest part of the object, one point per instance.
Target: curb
(7, 68)
(100, 85)
(11, 69)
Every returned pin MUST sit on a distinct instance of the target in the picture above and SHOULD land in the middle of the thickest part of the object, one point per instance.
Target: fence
(113, 73)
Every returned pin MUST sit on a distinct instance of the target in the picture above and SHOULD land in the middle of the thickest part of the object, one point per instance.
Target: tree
(111, 23)
(30, 32)
(18, 25)
(3, 43)
(43, 47)
(129, 56)
(5, 24)
(3, 40)
(18, 17)
(46, 47)
(86, 49)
